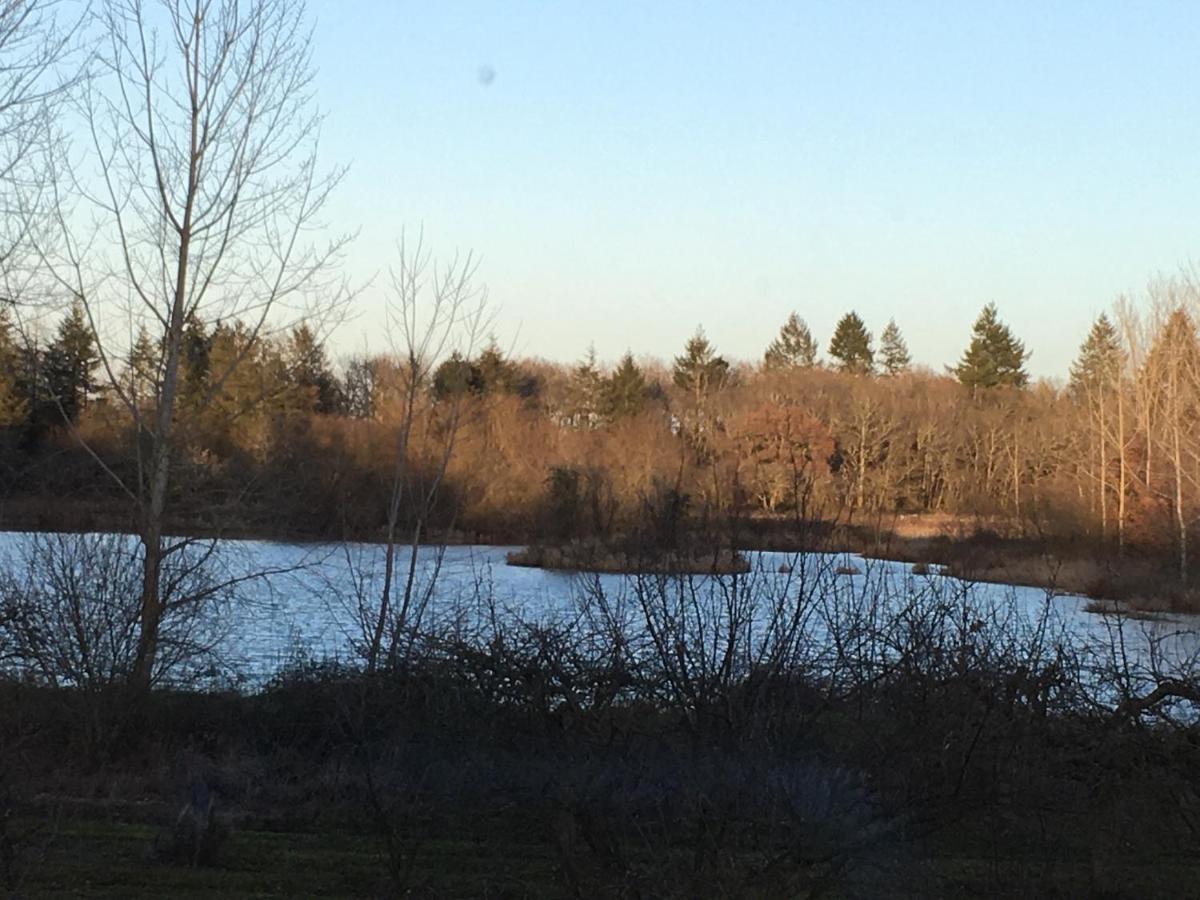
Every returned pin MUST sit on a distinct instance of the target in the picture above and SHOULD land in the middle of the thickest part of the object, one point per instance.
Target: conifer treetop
(894, 357)
(995, 357)
(1101, 356)
(851, 345)
(699, 369)
(793, 348)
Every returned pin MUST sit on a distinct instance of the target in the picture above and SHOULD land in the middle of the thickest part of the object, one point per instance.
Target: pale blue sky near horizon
(635, 170)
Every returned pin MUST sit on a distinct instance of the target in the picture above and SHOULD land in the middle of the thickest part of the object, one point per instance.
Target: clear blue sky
(636, 169)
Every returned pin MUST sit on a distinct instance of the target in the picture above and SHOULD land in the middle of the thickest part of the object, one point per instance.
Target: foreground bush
(668, 743)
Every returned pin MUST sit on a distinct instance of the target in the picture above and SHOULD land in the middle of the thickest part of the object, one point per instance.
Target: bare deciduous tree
(198, 192)
(434, 309)
(38, 66)
(69, 611)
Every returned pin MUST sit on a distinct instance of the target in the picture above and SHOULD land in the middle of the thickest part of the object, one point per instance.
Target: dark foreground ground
(105, 855)
(106, 858)
(526, 770)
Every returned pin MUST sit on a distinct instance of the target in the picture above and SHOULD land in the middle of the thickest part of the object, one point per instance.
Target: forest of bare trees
(561, 451)
(166, 364)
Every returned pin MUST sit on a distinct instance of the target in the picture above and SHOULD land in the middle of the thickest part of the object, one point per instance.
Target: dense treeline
(580, 451)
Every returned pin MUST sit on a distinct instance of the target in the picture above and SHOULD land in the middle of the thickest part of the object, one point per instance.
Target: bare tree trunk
(1017, 476)
(1147, 430)
(399, 475)
(861, 473)
(1092, 479)
(1180, 517)
(1103, 480)
(425, 329)
(1122, 486)
(160, 461)
(206, 118)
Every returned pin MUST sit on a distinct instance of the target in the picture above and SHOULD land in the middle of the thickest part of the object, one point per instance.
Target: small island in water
(629, 559)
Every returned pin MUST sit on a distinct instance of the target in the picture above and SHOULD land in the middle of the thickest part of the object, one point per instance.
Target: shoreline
(967, 549)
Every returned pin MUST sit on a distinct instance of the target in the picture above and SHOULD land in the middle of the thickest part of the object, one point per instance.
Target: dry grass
(939, 525)
(588, 557)
(1115, 608)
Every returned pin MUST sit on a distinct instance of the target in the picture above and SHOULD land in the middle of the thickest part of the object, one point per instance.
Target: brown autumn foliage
(555, 452)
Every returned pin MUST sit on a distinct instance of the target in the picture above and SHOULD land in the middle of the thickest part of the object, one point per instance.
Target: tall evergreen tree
(497, 374)
(141, 368)
(586, 400)
(249, 383)
(994, 357)
(194, 364)
(1173, 363)
(894, 357)
(71, 361)
(1099, 362)
(360, 384)
(456, 375)
(14, 406)
(1095, 386)
(40, 410)
(700, 370)
(310, 371)
(626, 389)
(851, 345)
(1176, 347)
(794, 348)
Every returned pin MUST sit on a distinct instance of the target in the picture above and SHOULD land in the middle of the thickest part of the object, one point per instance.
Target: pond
(291, 602)
(308, 607)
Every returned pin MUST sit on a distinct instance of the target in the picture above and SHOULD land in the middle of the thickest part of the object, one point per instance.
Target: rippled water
(308, 608)
(301, 601)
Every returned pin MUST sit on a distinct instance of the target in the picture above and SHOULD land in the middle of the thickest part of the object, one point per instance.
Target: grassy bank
(1138, 580)
(580, 556)
(105, 858)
